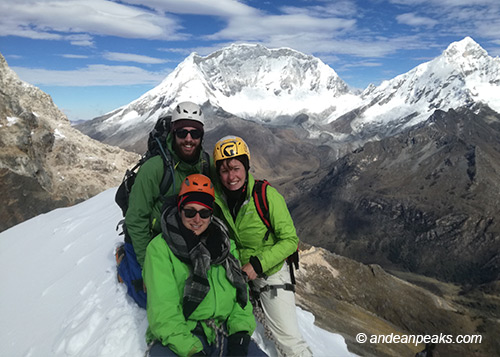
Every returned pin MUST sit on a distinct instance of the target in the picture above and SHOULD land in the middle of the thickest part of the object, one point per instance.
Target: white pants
(281, 314)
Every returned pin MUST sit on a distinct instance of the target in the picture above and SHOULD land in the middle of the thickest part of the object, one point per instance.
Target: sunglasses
(182, 133)
(191, 213)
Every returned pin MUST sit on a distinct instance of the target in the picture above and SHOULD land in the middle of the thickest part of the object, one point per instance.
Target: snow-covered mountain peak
(468, 58)
(248, 80)
(467, 49)
(463, 74)
(236, 76)
(281, 72)
(252, 51)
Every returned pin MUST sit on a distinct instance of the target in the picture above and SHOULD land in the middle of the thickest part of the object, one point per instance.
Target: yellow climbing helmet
(230, 147)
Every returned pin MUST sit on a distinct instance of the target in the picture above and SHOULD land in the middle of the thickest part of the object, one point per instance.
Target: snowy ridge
(462, 75)
(60, 296)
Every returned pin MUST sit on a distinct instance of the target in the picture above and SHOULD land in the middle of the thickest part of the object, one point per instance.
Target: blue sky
(93, 56)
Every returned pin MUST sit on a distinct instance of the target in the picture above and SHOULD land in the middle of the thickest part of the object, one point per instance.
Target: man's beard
(190, 159)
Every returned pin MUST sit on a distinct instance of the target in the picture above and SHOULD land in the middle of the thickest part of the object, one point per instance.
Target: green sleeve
(143, 196)
(164, 304)
(284, 232)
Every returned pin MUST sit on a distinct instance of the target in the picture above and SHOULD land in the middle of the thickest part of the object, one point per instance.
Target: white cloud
(92, 75)
(83, 40)
(261, 28)
(478, 18)
(198, 7)
(48, 19)
(69, 55)
(338, 8)
(182, 51)
(130, 57)
(370, 47)
(411, 19)
(445, 3)
(363, 64)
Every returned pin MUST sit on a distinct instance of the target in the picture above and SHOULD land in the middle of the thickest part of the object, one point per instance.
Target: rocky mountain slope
(279, 153)
(44, 162)
(426, 200)
(350, 298)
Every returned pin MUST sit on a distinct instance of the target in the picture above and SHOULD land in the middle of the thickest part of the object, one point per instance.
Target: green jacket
(143, 214)
(165, 276)
(248, 231)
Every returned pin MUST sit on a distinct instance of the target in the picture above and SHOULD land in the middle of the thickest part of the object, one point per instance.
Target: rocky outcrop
(44, 162)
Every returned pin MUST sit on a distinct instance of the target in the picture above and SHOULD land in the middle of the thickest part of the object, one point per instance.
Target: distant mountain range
(286, 87)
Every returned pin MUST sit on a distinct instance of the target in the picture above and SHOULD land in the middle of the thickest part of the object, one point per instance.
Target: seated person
(197, 295)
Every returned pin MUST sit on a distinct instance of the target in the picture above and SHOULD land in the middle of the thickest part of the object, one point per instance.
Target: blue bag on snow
(130, 273)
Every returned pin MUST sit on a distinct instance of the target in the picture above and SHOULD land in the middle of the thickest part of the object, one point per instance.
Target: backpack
(259, 194)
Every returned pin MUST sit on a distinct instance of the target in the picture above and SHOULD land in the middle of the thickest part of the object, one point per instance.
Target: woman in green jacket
(197, 296)
(262, 253)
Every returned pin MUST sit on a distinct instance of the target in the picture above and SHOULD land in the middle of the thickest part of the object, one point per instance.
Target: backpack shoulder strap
(168, 170)
(259, 194)
(205, 163)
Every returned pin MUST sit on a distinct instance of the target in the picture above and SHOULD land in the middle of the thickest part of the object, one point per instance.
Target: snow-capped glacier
(462, 75)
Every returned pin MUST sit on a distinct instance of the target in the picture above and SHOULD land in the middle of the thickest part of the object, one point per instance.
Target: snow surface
(12, 120)
(58, 134)
(60, 296)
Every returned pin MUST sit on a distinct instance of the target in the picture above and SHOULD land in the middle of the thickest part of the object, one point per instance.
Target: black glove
(237, 344)
(256, 265)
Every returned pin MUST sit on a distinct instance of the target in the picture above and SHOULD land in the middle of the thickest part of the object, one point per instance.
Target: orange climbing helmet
(197, 188)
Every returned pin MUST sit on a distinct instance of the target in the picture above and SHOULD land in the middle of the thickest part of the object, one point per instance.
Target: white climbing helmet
(188, 111)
